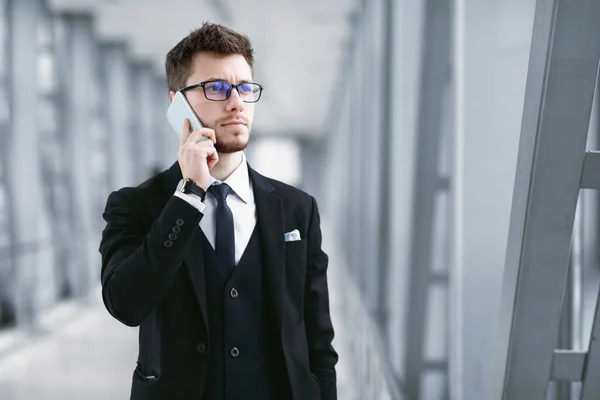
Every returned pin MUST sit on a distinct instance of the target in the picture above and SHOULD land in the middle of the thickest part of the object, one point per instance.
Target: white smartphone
(178, 111)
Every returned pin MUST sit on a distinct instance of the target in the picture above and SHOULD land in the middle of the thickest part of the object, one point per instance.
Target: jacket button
(172, 236)
(168, 243)
(179, 222)
(176, 229)
(201, 348)
(234, 352)
(234, 293)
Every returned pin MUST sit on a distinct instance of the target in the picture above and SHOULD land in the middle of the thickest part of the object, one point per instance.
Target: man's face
(230, 119)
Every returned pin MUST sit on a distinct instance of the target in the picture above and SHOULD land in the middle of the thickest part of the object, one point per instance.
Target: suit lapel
(194, 261)
(270, 222)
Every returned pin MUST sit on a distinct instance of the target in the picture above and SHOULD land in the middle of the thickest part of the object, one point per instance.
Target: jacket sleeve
(139, 263)
(319, 329)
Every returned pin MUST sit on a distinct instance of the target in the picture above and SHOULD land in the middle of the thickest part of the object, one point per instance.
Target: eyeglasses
(220, 90)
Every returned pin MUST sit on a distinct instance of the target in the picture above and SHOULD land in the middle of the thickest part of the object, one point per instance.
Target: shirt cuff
(199, 205)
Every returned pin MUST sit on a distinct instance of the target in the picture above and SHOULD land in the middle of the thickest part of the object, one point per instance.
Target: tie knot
(220, 191)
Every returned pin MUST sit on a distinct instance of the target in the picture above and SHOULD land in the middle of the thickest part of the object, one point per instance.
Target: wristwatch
(188, 186)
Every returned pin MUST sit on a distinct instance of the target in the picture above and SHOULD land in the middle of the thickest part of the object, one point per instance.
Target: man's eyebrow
(225, 80)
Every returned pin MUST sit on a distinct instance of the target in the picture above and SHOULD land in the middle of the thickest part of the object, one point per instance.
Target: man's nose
(234, 102)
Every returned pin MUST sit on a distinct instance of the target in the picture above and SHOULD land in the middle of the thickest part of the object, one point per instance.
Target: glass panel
(4, 57)
(3, 35)
(6, 308)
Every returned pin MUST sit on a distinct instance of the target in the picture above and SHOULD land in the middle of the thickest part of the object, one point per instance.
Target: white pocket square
(292, 236)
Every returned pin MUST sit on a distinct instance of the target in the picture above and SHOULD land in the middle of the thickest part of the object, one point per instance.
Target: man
(221, 267)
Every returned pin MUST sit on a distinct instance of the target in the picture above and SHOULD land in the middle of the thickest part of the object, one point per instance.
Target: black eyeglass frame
(233, 86)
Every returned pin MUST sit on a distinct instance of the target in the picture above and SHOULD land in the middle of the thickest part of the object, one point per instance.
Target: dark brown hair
(211, 38)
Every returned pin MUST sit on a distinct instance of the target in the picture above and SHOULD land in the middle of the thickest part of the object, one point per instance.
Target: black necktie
(224, 237)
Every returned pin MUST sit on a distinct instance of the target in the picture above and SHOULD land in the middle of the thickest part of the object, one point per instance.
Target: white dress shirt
(241, 202)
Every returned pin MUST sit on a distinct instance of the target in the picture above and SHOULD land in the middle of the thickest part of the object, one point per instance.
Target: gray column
(368, 157)
(336, 177)
(571, 323)
(159, 134)
(312, 156)
(61, 199)
(119, 100)
(100, 143)
(339, 144)
(406, 67)
(456, 169)
(385, 158)
(6, 304)
(426, 363)
(50, 155)
(497, 40)
(80, 147)
(591, 226)
(142, 130)
(28, 221)
(166, 139)
(355, 143)
(565, 54)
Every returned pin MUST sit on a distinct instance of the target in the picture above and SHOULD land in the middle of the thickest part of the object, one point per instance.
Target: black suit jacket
(153, 276)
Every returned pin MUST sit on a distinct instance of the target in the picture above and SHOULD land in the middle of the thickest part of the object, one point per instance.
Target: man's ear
(171, 95)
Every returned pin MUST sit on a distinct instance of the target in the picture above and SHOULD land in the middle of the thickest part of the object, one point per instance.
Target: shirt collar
(239, 181)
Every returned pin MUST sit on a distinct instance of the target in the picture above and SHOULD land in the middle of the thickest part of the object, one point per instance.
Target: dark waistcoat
(245, 358)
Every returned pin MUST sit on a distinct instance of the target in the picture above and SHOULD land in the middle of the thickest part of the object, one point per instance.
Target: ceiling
(299, 47)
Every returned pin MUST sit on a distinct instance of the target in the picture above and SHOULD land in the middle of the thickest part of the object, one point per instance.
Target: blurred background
(444, 140)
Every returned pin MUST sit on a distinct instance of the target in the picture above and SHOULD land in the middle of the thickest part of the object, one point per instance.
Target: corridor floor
(90, 356)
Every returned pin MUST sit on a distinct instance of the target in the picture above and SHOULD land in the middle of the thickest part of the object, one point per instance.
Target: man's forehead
(213, 65)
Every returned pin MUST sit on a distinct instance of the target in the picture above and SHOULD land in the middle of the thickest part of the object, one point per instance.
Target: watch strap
(190, 186)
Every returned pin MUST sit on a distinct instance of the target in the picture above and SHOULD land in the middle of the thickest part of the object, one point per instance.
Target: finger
(200, 133)
(210, 135)
(212, 157)
(185, 133)
(196, 136)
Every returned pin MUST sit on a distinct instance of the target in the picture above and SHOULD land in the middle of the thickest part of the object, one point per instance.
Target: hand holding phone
(197, 155)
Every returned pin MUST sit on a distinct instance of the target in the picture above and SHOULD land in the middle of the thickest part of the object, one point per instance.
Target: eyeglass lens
(220, 90)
